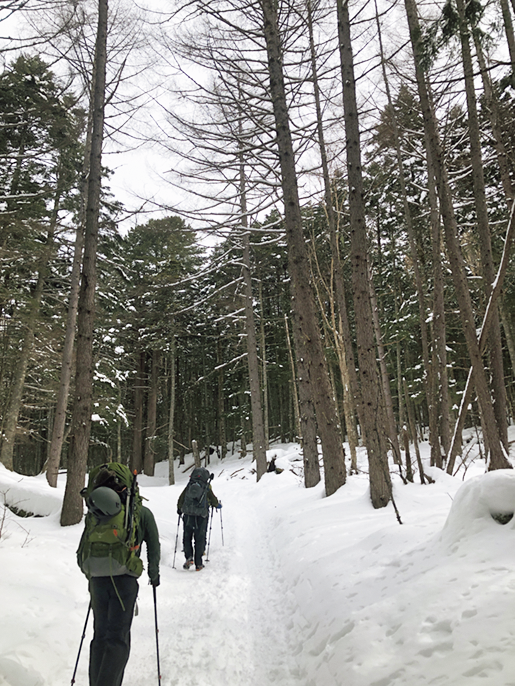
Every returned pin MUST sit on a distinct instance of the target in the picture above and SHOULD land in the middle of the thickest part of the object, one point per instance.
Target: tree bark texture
(352, 403)
(58, 429)
(81, 418)
(372, 413)
(258, 429)
(303, 300)
(139, 413)
(171, 417)
(307, 415)
(149, 457)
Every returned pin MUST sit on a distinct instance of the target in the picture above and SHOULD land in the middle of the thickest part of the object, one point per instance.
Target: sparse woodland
(341, 277)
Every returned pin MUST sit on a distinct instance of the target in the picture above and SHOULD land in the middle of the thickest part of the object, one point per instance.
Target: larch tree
(82, 408)
(372, 412)
(303, 300)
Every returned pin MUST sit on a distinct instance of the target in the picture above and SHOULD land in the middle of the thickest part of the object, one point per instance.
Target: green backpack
(108, 544)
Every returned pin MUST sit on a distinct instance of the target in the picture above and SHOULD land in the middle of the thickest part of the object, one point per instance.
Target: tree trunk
(494, 347)
(58, 430)
(258, 429)
(372, 410)
(303, 301)
(150, 452)
(430, 390)
(508, 28)
(413, 432)
(388, 402)
(308, 424)
(139, 405)
(349, 408)
(352, 403)
(10, 420)
(81, 418)
(222, 429)
(196, 453)
(295, 397)
(16, 391)
(498, 457)
(493, 110)
(264, 373)
(492, 304)
(171, 417)
(440, 377)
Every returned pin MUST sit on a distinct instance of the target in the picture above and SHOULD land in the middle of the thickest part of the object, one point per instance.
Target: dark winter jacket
(211, 498)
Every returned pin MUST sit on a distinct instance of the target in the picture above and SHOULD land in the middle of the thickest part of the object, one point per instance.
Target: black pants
(111, 644)
(194, 528)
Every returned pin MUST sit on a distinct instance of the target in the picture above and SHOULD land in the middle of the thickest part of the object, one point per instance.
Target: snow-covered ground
(301, 589)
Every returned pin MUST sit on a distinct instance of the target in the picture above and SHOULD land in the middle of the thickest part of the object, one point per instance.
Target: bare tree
(302, 294)
(372, 412)
(492, 434)
(81, 419)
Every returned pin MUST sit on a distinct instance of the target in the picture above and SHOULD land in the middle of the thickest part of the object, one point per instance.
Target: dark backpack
(195, 497)
(108, 544)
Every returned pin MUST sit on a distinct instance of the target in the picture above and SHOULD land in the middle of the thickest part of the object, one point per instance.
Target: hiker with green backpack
(116, 525)
(193, 505)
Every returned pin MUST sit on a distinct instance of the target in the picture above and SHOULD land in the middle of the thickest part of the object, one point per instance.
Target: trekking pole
(176, 541)
(221, 525)
(81, 642)
(209, 537)
(157, 639)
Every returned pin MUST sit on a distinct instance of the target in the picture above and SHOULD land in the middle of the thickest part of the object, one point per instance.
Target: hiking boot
(188, 563)
(199, 568)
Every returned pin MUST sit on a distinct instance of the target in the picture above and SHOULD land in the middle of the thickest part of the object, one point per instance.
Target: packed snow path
(307, 590)
(227, 624)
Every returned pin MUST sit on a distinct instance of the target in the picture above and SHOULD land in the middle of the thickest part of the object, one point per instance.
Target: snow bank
(378, 604)
(480, 506)
(31, 494)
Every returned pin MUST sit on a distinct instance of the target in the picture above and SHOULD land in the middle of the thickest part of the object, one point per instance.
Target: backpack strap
(129, 515)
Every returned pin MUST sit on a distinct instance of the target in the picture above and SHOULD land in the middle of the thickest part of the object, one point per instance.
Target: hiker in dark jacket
(195, 516)
(113, 599)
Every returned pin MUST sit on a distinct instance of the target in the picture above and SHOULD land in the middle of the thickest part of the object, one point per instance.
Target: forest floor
(299, 589)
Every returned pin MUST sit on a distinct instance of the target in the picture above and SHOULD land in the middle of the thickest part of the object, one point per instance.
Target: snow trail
(227, 624)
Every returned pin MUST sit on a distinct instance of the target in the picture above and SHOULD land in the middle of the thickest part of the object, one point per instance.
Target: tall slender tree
(492, 434)
(302, 294)
(81, 418)
(372, 413)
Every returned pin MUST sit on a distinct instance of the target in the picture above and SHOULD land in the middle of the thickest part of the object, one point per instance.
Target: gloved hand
(179, 512)
(155, 581)
(219, 506)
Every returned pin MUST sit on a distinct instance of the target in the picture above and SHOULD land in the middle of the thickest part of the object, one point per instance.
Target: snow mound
(30, 494)
(480, 505)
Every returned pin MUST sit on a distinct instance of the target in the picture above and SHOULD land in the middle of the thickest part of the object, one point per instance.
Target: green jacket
(147, 532)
